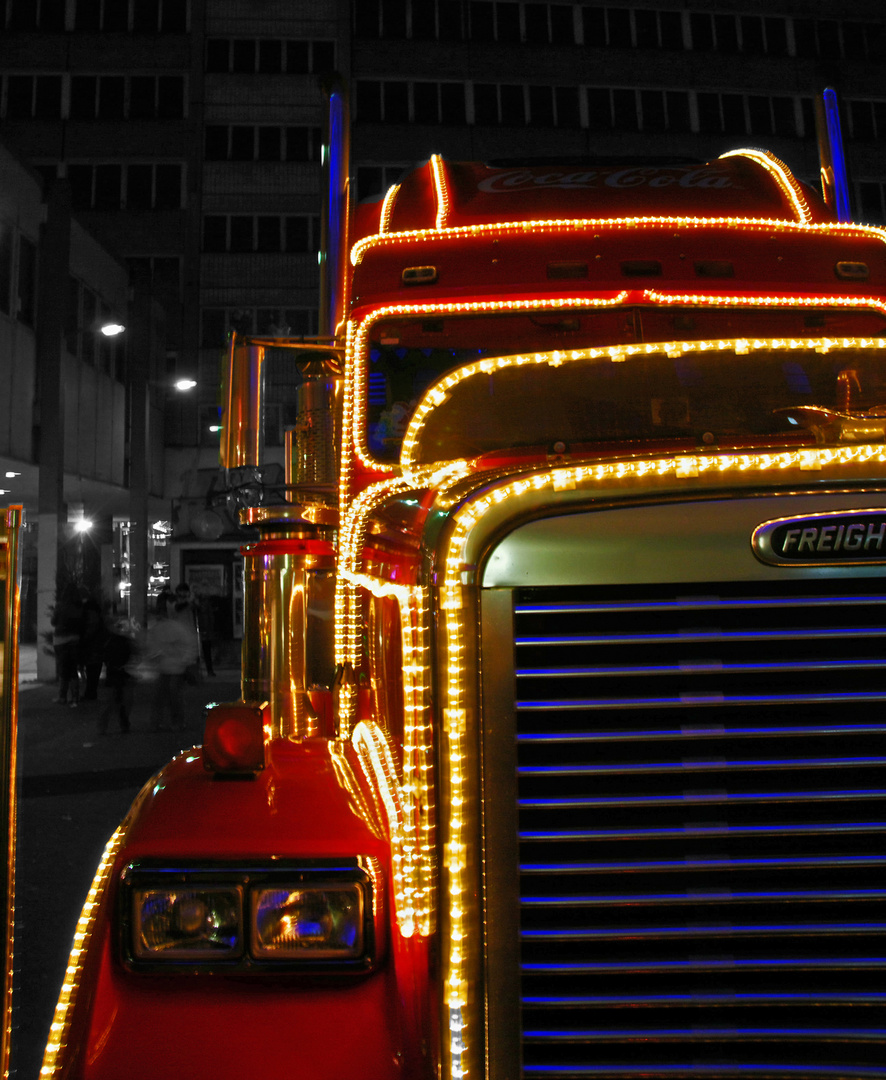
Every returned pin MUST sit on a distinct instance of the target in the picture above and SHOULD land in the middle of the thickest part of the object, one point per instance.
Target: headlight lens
(319, 923)
(188, 924)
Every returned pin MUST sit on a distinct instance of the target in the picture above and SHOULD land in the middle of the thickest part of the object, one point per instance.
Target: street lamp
(112, 329)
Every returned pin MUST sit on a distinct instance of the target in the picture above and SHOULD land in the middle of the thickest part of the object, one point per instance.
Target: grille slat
(756, 893)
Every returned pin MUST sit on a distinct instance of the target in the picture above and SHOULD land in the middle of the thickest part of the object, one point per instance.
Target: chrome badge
(846, 538)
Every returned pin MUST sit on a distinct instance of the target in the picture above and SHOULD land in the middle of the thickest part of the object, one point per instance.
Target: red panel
(315, 1027)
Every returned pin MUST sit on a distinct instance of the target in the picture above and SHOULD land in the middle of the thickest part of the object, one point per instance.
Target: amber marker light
(236, 738)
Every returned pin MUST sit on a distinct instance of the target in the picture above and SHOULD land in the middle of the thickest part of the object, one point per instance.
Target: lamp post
(147, 341)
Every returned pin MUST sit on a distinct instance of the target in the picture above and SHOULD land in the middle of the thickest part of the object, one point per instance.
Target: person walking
(172, 648)
(119, 654)
(205, 615)
(93, 635)
(67, 626)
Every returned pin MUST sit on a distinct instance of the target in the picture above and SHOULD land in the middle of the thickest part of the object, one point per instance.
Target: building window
(374, 180)
(45, 15)
(217, 323)
(237, 143)
(139, 16)
(32, 97)
(871, 201)
(867, 120)
(113, 186)
(419, 102)
(268, 56)
(247, 234)
(481, 20)
(94, 97)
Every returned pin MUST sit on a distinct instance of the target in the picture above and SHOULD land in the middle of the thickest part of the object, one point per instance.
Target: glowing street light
(185, 384)
(112, 329)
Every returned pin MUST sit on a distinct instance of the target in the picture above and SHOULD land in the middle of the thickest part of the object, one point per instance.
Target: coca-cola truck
(560, 748)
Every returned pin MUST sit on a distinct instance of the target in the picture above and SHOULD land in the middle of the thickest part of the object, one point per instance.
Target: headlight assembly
(281, 917)
(187, 923)
(318, 922)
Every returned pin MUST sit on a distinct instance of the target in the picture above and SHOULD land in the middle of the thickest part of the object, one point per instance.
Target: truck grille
(701, 830)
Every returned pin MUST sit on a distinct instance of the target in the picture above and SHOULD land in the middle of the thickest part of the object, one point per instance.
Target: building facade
(189, 135)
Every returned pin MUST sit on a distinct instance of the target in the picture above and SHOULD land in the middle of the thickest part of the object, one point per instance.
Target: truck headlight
(283, 915)
(311, 922)
(187, 924)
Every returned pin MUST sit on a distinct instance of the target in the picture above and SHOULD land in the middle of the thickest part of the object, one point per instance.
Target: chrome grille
(701, 830)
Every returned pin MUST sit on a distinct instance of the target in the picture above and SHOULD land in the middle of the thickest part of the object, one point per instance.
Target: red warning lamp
(236, 738)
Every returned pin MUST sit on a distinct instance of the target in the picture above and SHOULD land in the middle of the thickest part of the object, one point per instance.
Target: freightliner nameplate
(845, 538)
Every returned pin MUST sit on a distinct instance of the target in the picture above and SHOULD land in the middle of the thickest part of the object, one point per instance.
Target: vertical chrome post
(10, 576)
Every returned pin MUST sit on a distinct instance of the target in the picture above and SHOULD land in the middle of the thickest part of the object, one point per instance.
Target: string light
(387, 208)
(782, 176)
(499, 229)
(441, 191)
(58, 1030)
(439, 391)
(355, 410)
(414, 897)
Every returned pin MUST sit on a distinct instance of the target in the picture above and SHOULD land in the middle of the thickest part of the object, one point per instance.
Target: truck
(560, 744)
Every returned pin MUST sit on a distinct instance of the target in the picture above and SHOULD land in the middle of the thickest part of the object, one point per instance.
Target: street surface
(74, 788)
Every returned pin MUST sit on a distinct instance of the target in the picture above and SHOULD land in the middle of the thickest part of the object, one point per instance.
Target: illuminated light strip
(440, 189)
(371, 744)
(782, 176)
(656, 296)
(415, 790)
(505, 228)
(348, 613)
(355, 400)
(387, 208)
(355, 407)
(348, 609)
(349, 404)
(455, 688)
(58, 1030)
(437, 394)
(345, 774)
(348, 623)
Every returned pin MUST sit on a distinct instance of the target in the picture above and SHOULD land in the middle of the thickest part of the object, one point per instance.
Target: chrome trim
(501, 885)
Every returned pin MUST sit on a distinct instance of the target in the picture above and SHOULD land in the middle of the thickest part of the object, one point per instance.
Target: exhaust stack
(289, 573)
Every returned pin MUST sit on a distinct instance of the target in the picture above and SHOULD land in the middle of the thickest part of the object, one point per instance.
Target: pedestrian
(183, 596)
(164, 598)
(93, 635)
(172, 648)
(205, 614)
(67, 626)
(119, 656)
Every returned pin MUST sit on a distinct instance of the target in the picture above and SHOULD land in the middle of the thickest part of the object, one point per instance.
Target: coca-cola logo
(523, 179)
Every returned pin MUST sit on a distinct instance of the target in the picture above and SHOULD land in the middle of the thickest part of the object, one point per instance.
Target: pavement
(55, 740)
(74, 788)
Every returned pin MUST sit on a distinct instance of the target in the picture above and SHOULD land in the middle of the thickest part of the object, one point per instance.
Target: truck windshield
(578, 392)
